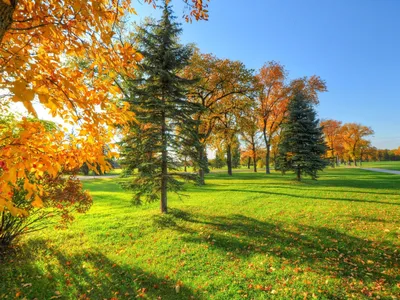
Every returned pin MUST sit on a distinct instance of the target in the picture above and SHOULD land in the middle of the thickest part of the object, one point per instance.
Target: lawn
(250, 236)
(389, 165)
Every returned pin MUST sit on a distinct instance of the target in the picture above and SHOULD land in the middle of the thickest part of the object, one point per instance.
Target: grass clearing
(247, 236)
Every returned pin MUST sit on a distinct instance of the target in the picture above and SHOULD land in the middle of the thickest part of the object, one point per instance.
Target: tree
(248, 123)
(35, 37)
(236, 153)
(302, 142)
(226, 124)
(272, 103)
(219, 79)
(397, 151)
(45, 186)
(165, 125)
(332, 131)
(353, 135)
(219, 160)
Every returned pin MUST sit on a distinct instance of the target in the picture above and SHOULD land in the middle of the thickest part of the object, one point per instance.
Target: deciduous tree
(353, 135)
(332, 131)
(219, 79)
(272, 103)
(249, 131)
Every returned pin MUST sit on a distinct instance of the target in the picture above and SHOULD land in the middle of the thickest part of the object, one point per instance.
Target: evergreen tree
(219, 159)
(236, 154)
(302, 143)
(164, 126)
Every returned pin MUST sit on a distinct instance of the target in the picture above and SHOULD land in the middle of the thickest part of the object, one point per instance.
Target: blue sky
(352, 44)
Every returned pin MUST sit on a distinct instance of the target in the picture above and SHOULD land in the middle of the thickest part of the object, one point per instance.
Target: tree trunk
(164, 165)
(249, 163)
(6, 13)
(298, 174)
(254, 158)
(201, 168)
(267, 159)
(229, 159)
(185, 164)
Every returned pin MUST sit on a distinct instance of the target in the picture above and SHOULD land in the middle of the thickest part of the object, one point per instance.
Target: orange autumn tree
(332, 130)
(353, 135)
(249, 131)
(272, 103)
(36, 40)
(217, 80)
(397, 151)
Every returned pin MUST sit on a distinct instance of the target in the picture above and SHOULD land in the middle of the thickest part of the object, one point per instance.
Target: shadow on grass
(324, 250)
(88, 275)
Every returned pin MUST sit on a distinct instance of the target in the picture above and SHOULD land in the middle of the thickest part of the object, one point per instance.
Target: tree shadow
(87, 275)
(312, 188)
(293, 195)
(324, 250)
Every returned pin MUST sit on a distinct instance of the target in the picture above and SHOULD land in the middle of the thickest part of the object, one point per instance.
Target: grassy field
(389, 165)
(250, 236)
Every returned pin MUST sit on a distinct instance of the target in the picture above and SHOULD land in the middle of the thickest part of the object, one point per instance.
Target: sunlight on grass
(247, 236)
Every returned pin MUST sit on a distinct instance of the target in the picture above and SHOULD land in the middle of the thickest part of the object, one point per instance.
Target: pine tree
(164, 126)
(302, 145)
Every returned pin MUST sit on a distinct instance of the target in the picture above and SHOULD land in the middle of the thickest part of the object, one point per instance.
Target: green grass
(389, 165)
(250, 236)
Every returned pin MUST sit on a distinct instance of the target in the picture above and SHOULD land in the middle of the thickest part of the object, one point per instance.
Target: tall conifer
(164, 116)
(302, 143)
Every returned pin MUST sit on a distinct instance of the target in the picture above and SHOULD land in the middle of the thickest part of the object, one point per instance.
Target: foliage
(274, 94)
(236, 153)
(165, 126)
(249, 131)
(332, 131)
(302, 142)
(30, 182)
(219, 160)
(36, 37)
(353, 136)
(63, 197)
(220, 82)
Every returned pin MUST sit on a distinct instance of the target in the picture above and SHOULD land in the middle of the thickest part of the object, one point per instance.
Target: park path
(96, 177)
(382, 170)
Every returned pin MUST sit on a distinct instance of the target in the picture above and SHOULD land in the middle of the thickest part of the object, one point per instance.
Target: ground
(250, 236)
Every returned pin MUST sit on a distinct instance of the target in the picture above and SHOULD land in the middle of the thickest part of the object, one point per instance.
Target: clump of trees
(347, 143)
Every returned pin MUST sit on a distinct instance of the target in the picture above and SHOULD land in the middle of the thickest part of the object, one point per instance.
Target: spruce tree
(164, 125)
(302, 145)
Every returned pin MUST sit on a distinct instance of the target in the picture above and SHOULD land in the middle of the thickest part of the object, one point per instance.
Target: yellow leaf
(37, 202)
